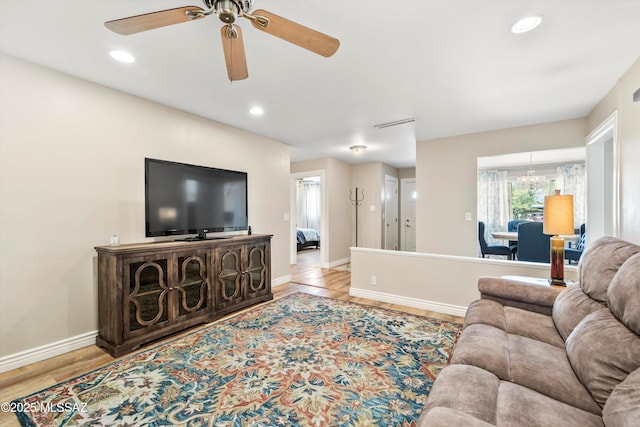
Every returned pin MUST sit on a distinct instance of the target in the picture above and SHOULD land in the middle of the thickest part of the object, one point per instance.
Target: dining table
(513, 235)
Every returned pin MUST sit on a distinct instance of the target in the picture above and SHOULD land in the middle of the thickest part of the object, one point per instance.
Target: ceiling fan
(228, 11)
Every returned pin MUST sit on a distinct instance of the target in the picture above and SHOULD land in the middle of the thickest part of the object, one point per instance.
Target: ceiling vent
(396, 123)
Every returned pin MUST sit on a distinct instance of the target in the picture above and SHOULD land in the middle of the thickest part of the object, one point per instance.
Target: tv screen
(188, 199)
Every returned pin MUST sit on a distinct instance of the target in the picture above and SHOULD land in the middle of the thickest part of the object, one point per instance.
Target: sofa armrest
(527, 296)
(441, 416)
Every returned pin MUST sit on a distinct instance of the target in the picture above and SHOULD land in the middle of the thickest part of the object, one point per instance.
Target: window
(527, 202)
(514, 186)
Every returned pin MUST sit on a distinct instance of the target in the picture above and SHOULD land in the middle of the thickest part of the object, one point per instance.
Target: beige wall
(620, 99)
(72, 173)
(406, 173)
(338, 227)
(446, 173)
(341, 211)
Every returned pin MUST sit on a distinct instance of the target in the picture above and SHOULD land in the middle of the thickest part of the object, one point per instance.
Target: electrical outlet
(373, 280)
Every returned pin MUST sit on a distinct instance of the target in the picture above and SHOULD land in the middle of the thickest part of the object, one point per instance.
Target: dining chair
(487, 249)
(513, 226)
(533, 244)
(573, 254)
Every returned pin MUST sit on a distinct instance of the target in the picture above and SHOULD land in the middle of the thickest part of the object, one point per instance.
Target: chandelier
(531, 180)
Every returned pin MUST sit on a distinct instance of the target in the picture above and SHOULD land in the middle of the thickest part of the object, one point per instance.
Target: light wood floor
(332, 283)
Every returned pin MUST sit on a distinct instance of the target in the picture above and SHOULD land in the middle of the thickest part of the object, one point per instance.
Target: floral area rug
(299, 361)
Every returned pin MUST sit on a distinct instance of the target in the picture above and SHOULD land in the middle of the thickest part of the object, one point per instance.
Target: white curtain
(494, 206)
(572, 180)
(308, 196)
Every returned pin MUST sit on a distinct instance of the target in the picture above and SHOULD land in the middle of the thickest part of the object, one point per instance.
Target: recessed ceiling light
(526, 24)
(256, 111)
(122, 56)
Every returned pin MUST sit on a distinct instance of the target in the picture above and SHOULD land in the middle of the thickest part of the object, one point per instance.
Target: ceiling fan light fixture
(122, 56)
(358, 149)
(526, 24)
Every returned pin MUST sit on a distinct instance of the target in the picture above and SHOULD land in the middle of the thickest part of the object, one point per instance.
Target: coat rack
(356, 202)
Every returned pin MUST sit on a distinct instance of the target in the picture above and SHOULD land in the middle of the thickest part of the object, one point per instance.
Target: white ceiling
(452, 65)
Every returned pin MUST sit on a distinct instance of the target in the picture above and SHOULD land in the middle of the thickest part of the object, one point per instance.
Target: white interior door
(391, 213)
(408, 215)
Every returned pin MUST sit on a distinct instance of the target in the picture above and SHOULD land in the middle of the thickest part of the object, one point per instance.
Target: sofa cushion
(623, 406)
(441, 417)
(483, 346)
(467, 389)
(571, 306)
(513, 320)
(602, 352)
(545, 368)
(600, 262)
(532, 325)
(520, 406)
(486, 311)
(624, 294)
(525, 361)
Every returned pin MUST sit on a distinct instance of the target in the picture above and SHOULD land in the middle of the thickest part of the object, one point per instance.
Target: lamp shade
(558, 214)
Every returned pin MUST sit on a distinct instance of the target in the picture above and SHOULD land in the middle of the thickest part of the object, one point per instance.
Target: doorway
(408, 214)
(308, 219)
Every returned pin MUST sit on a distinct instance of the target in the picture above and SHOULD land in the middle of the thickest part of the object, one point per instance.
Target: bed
(307, 237)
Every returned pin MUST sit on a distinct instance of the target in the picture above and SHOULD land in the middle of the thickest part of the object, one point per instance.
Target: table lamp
(558, 219)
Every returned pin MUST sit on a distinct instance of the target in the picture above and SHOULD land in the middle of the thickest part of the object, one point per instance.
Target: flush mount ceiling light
(526, 24)
(358, 149)
(122, 56)
(256, 111)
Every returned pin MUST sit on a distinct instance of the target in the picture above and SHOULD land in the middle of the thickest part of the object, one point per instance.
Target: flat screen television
(188, 199)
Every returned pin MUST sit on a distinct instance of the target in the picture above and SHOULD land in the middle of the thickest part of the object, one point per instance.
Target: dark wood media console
(148, 291)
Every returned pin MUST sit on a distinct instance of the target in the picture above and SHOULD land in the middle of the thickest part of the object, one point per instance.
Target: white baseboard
(336, 263)
(23, 358)
(439, 307)
(280, 280)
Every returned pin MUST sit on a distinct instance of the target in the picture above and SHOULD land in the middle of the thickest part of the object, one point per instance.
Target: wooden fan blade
(234, 52)
(150, 21)
(295, 33)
